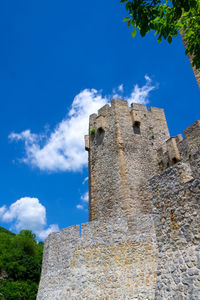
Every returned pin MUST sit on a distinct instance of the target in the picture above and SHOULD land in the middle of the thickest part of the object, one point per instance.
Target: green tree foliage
(20, 265)
(6, 231)
(166, 18)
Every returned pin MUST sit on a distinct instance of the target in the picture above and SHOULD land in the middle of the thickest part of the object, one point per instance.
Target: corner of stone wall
(56, 245)
(157, 112)
(192, 136)
(103, 111)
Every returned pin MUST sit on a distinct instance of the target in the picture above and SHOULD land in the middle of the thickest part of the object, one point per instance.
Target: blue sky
(59, 62)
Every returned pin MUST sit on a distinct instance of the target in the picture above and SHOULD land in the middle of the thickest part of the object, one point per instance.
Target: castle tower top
(122, 144)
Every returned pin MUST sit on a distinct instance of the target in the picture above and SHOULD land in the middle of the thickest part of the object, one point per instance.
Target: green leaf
(126, 19)
(159, 38)
(142, 32)
(169, 39)
(134, 33)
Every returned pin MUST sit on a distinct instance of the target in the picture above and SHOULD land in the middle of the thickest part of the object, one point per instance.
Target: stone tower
(122, 143)
(143, 238)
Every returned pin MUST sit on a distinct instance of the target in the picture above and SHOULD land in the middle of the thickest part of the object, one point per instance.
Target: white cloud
(85, 180)
(83, 205)
(141, 95)
(2, 210)
(121, 88)
(63, 149)
(85, 197)
(79, 206)
(27, 213)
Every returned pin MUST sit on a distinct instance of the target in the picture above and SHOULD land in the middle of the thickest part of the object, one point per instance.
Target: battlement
(138, 112)
(177, 149)
(107, 231)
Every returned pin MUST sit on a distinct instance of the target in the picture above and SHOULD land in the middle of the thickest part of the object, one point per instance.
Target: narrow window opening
(136, 128)
(100, 136)
(174, 160)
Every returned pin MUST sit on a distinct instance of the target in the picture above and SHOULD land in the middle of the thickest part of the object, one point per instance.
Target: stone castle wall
(112, 260)
(175, 195)
(154, 256)
(144, 240)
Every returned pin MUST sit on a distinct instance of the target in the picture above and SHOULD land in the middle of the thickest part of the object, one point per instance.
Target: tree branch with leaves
(166, 18)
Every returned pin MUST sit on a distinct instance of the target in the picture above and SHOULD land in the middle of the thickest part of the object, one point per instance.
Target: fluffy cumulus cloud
(27, 213)
(63, 148)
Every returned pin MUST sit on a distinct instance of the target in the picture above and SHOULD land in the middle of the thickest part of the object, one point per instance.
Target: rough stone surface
(120, 165)
(176, 213)
(143, 241)
(112, 260)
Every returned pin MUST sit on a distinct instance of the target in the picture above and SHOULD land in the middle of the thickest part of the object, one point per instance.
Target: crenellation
(92, 119)
(142, 239)
(119, 102)
(157, 111)
(173, 151)
(103, 111)
(177, 149)
(179, 138)
(139, 107)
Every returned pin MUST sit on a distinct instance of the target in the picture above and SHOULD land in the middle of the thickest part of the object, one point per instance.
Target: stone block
(87, 142)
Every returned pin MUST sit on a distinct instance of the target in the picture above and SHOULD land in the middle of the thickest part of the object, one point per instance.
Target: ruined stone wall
(119, 158)
(175, 195)
(112, 260)
(178, 149)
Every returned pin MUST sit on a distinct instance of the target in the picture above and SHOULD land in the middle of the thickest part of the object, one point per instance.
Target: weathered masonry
(143, 238)
(122, 157)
